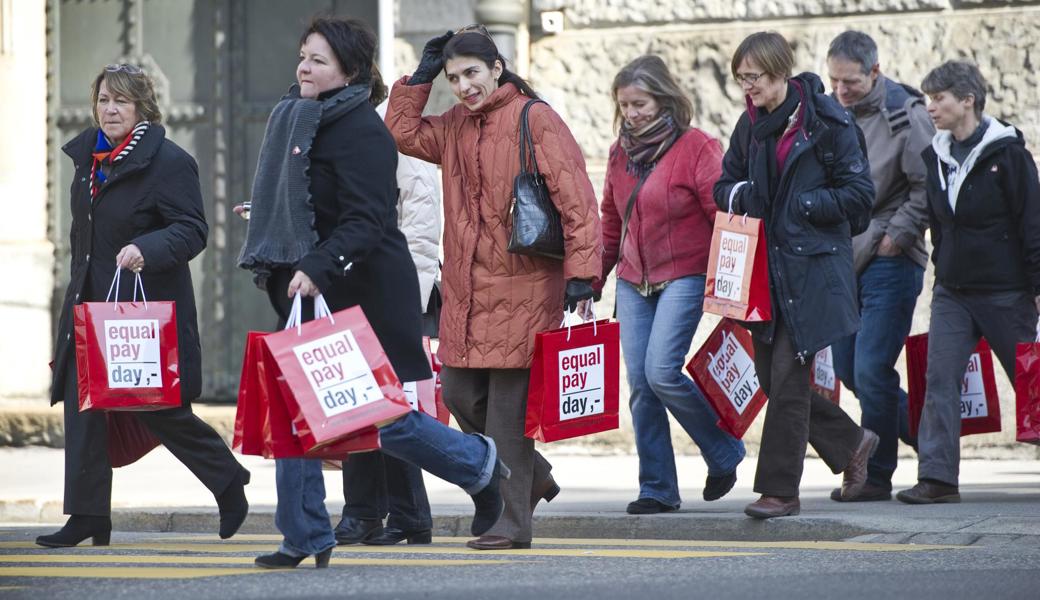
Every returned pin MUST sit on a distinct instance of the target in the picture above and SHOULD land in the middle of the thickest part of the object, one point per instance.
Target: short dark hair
(479, 45)
(959, 77)
(354, 44)
(855, 46)
(769, 50)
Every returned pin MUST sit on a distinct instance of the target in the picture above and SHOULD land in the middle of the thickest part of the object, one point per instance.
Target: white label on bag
(581, 382)
(823, 370)
(338, 373)
(973, 393)
(411, 393)
(132, 353)
(729, 271)
(732, 368)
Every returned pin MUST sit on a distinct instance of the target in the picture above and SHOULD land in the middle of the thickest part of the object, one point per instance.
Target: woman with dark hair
(323, 221)
(984, 212)
(496, 301)
(667, 169)
(136, 204)
(795, 162)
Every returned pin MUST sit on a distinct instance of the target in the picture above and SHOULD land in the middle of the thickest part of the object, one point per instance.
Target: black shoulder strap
(528, 161)
(628, 214)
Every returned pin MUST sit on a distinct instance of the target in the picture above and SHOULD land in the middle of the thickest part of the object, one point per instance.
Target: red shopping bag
(425, 395)
(443, 414)
(128, 439)
(126, 355)
(724, 369)
(822, 378)
(737, 285)
(1027, 393)
(980, 406)
(573, 390)
(279, 433)
(337, 378)
(251, 412)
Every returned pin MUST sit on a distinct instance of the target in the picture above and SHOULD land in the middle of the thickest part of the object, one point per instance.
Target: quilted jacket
(494, 301)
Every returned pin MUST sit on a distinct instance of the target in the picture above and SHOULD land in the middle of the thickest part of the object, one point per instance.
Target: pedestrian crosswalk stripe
(158, 559)
(601, 542)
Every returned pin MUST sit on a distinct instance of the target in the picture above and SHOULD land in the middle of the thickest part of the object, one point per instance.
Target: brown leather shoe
(856, 472)
(768, 507)
(496, 542)
(930, 492)
(868, 493)
(547, 490)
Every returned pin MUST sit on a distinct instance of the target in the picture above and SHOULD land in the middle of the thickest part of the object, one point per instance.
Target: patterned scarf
(645, 145)
(105, 155)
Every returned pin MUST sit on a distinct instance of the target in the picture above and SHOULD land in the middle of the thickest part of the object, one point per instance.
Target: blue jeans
(656, 333)
(865, 361)
(466, 460)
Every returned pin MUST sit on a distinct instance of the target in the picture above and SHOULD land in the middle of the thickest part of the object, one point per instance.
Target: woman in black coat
(323, 220)
(136, 204)
(795, 162)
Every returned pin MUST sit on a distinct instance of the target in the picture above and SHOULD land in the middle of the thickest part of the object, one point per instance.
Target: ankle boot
(77, 529)
(233, 505)
(488, 502)
(277, 560)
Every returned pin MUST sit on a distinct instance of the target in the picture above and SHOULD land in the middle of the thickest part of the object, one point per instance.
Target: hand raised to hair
(432, 60)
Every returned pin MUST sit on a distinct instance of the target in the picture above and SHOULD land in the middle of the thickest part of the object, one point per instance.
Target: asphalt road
(164, 565)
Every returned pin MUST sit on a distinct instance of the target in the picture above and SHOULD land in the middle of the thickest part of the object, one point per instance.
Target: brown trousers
(796, 416)
(494, 402)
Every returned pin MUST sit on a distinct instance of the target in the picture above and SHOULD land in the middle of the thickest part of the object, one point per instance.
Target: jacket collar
(498, 98)
(997, 135)
(81, 147)
(873, 101)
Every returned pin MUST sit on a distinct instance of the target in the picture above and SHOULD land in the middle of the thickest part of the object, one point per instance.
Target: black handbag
(537, 230)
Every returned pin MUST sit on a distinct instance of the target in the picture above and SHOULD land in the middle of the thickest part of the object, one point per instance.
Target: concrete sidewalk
(1001, 502)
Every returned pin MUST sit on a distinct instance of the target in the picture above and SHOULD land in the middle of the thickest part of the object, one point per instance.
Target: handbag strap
(628, 214)
(528, 161)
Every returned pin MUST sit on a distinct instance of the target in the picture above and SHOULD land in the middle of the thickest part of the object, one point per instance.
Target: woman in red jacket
(657, 220)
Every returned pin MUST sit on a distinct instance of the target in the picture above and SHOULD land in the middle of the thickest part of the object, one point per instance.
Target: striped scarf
(645, 145)
(105, 155)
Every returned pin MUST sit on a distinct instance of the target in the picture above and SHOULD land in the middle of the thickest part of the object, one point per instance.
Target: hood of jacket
(998, 134)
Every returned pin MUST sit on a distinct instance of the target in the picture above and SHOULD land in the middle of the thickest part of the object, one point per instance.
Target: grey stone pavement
(1001, 502)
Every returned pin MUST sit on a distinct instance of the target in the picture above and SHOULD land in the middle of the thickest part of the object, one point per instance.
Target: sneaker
(648, 506)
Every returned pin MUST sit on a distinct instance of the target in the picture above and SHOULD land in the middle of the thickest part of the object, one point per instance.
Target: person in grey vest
(984, 212)
(890, 256)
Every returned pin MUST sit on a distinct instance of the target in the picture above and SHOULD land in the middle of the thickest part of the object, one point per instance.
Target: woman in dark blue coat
(136, 204)
(795, 161)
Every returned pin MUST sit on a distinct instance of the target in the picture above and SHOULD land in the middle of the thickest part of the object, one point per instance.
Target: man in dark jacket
(794, 161)
(890, 256)
(984, 209)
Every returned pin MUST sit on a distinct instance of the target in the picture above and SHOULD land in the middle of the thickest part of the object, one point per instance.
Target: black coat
(808, 222)
(992, 242)
(354, 190)
(151, 199)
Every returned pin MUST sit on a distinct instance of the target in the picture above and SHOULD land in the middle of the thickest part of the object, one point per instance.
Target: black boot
(233, 505)
(277, 560)
(77, 529)
(354, 531)
(488, 502)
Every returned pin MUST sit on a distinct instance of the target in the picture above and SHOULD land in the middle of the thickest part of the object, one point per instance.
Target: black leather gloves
(577, 290)
(432, 62)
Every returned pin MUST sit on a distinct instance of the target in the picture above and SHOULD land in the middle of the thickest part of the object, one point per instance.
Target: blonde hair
(651, 75)
(132, 84)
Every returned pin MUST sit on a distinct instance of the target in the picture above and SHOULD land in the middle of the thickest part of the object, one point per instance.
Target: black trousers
(796, 416)
(88, 473)
(376, 485)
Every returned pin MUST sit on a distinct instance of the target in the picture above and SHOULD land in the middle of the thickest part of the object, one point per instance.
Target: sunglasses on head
(476, 28)
(126, 68)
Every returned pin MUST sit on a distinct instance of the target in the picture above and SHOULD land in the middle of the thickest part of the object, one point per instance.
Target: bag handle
(113, 289)
(321, 311)
(528, 160)
(1038, 330)
(590, 315)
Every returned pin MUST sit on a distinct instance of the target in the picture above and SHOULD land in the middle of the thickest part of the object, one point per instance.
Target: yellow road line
(436, 550)
(599, 542)
(123, 573)
(159, 559)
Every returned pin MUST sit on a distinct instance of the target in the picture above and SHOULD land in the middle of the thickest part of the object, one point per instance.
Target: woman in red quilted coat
(661, 172)
(495, 301)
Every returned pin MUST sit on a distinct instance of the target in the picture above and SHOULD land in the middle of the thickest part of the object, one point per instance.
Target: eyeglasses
(124, 67)
(476, 28)
(748, 78)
